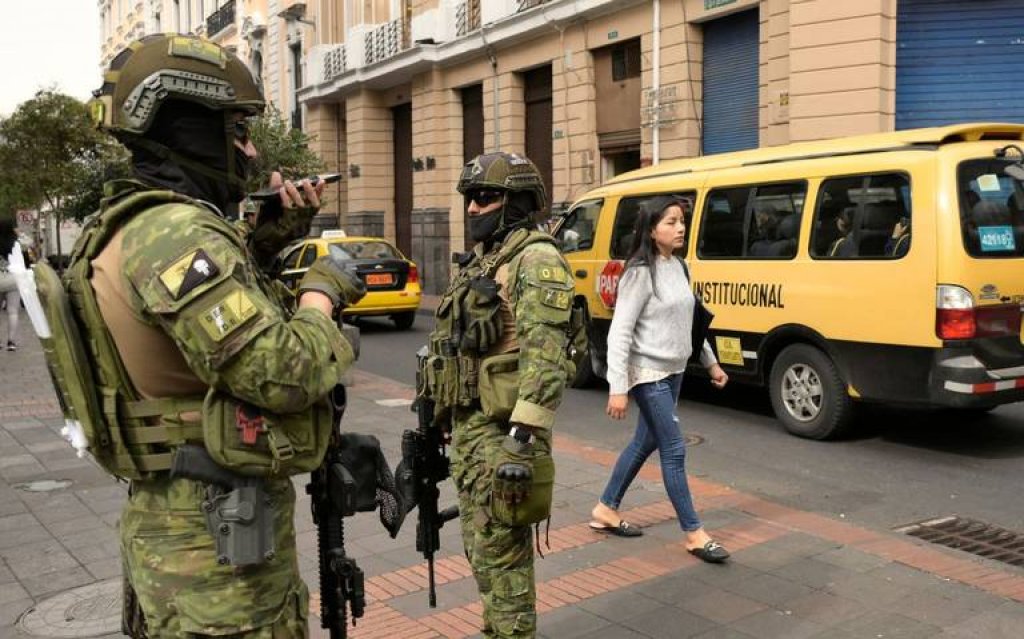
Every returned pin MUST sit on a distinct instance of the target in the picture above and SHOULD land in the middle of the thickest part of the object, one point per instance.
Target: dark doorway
(402, 116)
(537, 95)
(472, 136)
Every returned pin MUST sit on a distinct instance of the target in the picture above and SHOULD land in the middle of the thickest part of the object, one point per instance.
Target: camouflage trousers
(170, 561)
(501, 556)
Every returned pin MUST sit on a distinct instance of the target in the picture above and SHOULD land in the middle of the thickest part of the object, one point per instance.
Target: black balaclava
(514, 212)
(194, 159)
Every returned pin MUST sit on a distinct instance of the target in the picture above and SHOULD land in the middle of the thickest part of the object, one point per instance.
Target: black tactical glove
(277, 227)
(480, 311)
(329, 277)
(513, 476)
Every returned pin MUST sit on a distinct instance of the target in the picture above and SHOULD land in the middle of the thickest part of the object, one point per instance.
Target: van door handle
(580, 272)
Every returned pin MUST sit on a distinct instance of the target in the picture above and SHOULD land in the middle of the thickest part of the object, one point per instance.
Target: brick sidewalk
(794, 573)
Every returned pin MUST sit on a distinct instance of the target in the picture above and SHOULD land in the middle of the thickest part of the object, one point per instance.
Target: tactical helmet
(507, 172)
(158, 68)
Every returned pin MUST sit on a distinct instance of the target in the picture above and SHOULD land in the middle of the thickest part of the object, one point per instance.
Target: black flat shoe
(712, 552)
(624, 529)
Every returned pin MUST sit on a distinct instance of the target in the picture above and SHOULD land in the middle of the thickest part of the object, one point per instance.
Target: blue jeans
(658, 429)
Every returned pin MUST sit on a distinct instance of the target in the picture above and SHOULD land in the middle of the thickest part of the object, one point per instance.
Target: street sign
(608, 282)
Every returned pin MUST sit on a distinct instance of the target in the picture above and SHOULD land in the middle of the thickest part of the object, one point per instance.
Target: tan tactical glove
(329, 277)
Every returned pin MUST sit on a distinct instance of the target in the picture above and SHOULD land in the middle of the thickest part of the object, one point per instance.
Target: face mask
(237, 185)
(483, 227)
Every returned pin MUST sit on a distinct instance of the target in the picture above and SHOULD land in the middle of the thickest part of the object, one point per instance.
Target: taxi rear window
(363, 251)
(991, 209)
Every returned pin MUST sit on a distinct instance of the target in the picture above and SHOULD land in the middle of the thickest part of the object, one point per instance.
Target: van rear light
(954, 313)
(998, 320)
(414, 274)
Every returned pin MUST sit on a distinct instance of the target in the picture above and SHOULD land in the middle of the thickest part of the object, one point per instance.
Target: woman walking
(649, 343)
(10, 255)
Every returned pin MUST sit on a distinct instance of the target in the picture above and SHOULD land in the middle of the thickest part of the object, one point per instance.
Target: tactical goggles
(484, 197)
(242, 130)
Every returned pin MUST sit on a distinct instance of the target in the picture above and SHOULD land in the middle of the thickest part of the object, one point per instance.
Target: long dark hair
(7, 235)
(643, 251)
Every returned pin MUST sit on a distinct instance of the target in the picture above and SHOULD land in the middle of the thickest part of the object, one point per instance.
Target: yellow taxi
(392, 280)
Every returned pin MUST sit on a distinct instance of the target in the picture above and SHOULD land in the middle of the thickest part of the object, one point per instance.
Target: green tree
(110, 161)
(280, 148)
(48, 144)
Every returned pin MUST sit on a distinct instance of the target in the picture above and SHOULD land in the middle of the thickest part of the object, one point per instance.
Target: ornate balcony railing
(385, 41)
(523, 5)
(335, 63)
(221, 19)
(467, 17)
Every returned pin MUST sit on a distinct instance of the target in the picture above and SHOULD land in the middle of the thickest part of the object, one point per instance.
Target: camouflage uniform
(189, 311)
(256, 354)
(535, 292)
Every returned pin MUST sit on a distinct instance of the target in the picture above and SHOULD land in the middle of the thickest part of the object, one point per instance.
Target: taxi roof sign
(333, 234)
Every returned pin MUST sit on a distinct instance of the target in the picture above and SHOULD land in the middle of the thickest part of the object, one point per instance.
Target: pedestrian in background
(649, 343)
(10, 255)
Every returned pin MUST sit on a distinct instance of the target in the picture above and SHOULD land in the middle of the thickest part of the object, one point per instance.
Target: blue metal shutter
(730, 83)
(959, 61)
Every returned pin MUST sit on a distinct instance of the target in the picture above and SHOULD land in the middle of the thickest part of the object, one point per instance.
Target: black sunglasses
(484, 197)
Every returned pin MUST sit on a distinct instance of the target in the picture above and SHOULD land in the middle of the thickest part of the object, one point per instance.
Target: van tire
(808, 394)
(404, 321)
(585, 376)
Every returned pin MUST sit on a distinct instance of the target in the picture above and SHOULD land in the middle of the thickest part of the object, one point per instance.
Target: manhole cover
(44, 486)
(971, 535)
(89, 611)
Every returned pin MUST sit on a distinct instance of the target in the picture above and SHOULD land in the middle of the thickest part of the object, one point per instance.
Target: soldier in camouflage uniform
(496, 370)
(190, 314)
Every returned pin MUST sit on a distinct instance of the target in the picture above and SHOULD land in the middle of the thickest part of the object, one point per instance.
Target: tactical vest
(133, 437)
(450, 375)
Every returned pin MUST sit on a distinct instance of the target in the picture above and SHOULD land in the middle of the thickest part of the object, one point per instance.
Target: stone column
(370, 152)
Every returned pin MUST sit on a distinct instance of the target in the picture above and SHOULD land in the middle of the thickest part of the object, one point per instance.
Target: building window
(626, 61)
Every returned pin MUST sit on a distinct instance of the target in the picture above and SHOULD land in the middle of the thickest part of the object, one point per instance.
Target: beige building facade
(398, 94)
(586, 88)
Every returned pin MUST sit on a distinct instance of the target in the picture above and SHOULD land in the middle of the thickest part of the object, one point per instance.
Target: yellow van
(885, 268)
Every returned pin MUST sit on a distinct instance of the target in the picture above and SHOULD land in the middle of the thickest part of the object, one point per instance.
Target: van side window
(752, 222)
(862, 217)
(577, 232)
(625, 219)
(991, 209)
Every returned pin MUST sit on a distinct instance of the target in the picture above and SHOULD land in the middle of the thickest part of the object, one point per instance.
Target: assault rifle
(423, 453)
(333, 494)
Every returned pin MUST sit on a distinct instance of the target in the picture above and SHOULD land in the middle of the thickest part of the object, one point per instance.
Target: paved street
(814, 554)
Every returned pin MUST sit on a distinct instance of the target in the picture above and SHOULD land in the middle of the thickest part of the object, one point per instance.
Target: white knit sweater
(651, 332)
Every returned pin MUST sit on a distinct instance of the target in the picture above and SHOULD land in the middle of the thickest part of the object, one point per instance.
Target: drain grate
(971, 535)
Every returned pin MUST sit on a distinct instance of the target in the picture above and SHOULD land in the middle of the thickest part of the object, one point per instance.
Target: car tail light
(414, 274)
(956, 316)
(954, 313)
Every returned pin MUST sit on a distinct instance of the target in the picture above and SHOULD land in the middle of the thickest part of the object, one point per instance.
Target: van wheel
(808, 395)
(585, 376)
(404, 321)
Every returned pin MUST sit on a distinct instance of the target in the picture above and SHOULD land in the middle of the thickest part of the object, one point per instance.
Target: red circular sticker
(608, 282)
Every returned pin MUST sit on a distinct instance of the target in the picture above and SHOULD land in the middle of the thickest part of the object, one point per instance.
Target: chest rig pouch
(467, 324)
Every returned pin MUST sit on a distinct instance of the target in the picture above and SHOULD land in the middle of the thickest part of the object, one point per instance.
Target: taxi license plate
(379, 279)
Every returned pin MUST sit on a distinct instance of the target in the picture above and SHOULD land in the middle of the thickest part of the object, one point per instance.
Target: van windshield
(991, 209)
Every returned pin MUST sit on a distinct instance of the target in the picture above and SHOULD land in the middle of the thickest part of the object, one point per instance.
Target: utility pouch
(241, 522)
(257, 443)
(536, 507)
(498, 385)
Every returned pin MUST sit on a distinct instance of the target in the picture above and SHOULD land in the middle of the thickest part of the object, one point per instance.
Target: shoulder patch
(551, 274)
(557, 299)
(189, 272)
(227, 315)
